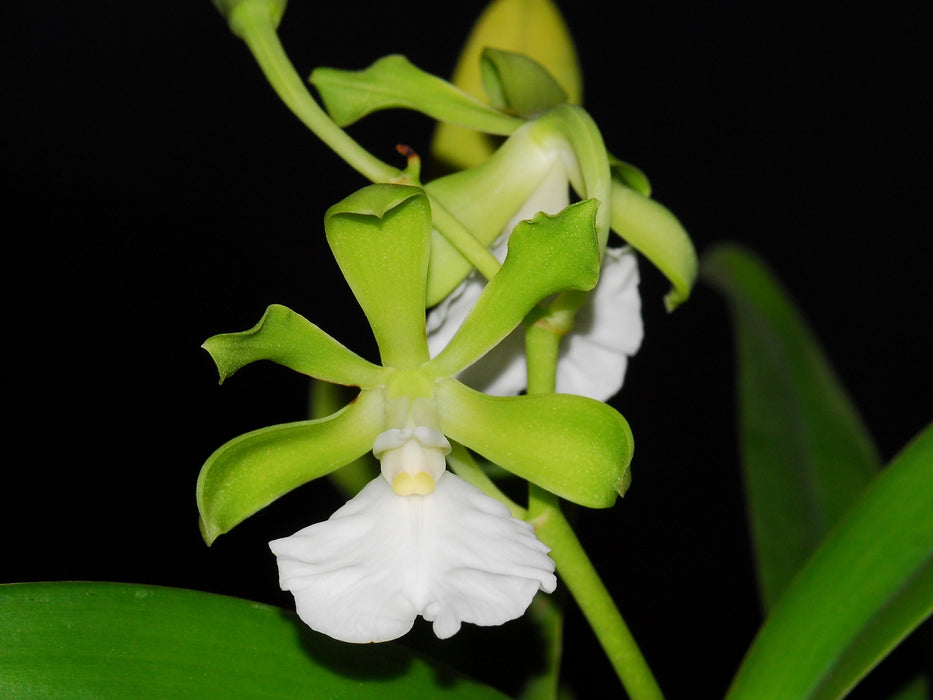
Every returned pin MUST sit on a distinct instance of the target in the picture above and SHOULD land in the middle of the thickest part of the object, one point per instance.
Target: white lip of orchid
(413, 459)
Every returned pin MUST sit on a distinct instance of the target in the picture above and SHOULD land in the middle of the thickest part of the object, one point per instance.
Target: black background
(159, 193)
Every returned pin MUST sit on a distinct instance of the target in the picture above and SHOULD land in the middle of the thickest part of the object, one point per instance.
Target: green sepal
(518, 84)
(569, 128)
(652, 230)
(251, 471)
(630, 175)
(290, 339)
(534, 28)
(575, 447)
(380, 236)
(546, 255)
(394, 82)
(237, 12)
(502, 183)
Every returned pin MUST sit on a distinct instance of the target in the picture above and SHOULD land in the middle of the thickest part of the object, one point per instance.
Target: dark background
(158, 193)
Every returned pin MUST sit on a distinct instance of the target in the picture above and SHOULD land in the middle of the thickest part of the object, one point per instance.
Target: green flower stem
(579, 575)
(542, 342)
(253, 23)
(465, 242)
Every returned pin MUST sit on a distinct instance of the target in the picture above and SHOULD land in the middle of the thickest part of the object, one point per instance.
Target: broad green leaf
(534, 28)
(502, 183)
(249, 472)
(806, 454)
(518, 84)
(575, 447)
(291, 340)
(867, 586)
(394, 82)
(380, 236)
(654, 232)
(546, 255)
(113, 640)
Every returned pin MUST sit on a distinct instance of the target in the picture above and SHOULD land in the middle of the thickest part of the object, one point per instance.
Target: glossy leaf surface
(575, 447)
(867, 586)
(805, 452)
(111, 640)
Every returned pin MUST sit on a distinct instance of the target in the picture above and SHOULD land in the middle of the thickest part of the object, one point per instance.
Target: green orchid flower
(357, 576)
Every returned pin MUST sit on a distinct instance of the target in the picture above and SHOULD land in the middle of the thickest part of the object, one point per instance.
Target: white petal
(607, 330)
(453, 556)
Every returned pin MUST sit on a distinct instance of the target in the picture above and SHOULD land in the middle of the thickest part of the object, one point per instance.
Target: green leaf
(113, 640)
(654, 232)
(534, 28)
(394, 82)
(546, 255)
(380, 236)
(866, 587)
(249, 472)
(806, 454)
(572, 446)
(291, 340)
(518, 84)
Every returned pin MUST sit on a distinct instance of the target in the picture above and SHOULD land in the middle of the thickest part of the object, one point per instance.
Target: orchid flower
(418, 540)
(555, 146)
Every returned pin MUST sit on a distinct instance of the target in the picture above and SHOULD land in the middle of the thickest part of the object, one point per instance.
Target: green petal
(70, 640)
(534, 28)
(548, 254)
(394, 82)
(654, 232)
(380, 237)
(518, 84)
(249, 472)
(502, 183)
(291, 340)
(573, 446)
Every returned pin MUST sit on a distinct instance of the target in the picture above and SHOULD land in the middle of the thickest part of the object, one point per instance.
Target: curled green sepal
(518, 84)
(656, 233)
(249, 472)
(546, 255)
(380, 236)
(394, 82)
(575, 447)
(630, 175)
(290, 339)
(570, 129)
(238, 11)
